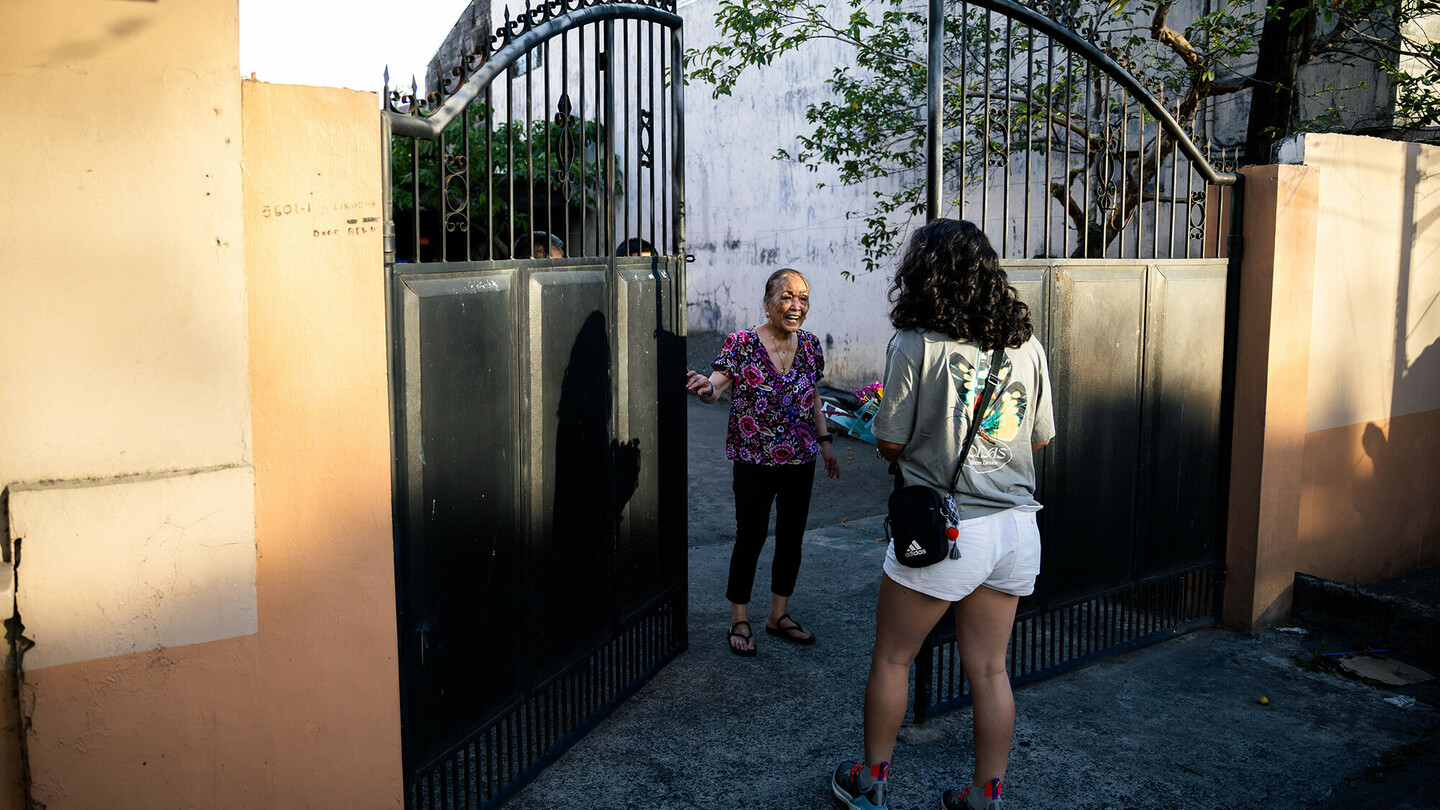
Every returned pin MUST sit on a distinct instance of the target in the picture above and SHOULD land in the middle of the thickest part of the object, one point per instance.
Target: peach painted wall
(208, 631)
(322, 445)
(124, 408)
(1372, 446)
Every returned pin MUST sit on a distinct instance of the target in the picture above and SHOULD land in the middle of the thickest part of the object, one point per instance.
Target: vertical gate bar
(1140, 185)
(662, 247)
(1027, 649)
(1124, 150)
(964, 103)
(1015, 649)
(1189, 198)
(415, 193)
(985, 139)
(510, 167)
(609, 67)
(565, 133)
(1049, 127)
(656, 122)
(677, 175)
(1097, 616)
(1008, 125)
(1054, 649)
(1159, 159)
(1084, 236)
(934, 110)
(628, 176)
(530, 225)
(1102, 192)
(1112, 620)
(1139, 212)
(442, 202)
(489, 176)
(549, 141)
(584, 178)
(1174, 185)
(1029, 136)
(447, 783)
(1041, 638)
(474, 784)
(1069, 153)
(465, 119)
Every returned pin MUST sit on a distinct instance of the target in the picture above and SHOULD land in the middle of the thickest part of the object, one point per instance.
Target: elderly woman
(775, 431)
(953, 306)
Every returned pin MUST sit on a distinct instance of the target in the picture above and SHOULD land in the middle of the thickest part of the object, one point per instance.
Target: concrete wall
(124, 415)
(1372, 443)
(193, 425)
(1336, 459)
(322, 446)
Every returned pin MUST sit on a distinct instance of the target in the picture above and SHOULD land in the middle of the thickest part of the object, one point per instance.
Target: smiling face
(788, 303)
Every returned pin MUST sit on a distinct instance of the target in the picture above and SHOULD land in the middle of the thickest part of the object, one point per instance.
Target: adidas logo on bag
(914, 550)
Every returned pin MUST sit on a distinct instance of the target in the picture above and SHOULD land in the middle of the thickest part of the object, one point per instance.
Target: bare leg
(902, 620)
(741, 613)
(983, 621)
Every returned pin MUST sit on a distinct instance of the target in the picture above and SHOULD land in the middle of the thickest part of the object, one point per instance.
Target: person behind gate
(775, 431)
(952, 306)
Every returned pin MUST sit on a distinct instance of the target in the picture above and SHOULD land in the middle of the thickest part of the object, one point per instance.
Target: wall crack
(17, 644)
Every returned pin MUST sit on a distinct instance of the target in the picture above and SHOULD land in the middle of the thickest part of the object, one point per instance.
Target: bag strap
(992, 379)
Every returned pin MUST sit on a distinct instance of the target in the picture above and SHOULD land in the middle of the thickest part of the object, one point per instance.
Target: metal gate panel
(1097, 325)
(537, 398)
(570, 399)
(646, 310)
(1113, 241)
(459, 364)
(1184, 341)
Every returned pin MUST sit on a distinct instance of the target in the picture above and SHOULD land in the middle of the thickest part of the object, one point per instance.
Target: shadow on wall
(589, 467)
(1397, 500)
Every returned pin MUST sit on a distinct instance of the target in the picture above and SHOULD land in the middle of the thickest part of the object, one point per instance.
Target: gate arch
(1130, 264)
(535, 249)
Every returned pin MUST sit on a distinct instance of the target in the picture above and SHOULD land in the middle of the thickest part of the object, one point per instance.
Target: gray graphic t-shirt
(931, 386)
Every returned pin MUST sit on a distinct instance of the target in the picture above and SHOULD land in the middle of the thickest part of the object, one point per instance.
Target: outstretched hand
(696, 383)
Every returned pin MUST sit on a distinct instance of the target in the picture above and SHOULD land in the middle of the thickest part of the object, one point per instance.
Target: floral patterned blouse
(772, 415)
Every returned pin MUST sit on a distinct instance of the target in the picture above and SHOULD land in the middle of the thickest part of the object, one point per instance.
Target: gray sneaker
(859, 787)
(972, 798)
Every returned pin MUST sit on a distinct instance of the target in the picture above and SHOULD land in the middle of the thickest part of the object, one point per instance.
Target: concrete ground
(1177, 725)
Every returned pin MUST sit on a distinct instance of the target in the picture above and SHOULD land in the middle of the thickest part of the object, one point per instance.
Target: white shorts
(1000, 551)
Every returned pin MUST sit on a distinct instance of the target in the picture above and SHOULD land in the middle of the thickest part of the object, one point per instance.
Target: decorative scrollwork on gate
(647, 137)
(455, 189)
(1197, 215)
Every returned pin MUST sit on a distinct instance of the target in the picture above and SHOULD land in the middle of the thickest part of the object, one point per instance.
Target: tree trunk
(1285, 45)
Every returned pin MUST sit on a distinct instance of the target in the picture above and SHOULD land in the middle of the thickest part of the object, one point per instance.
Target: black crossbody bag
(916, 525)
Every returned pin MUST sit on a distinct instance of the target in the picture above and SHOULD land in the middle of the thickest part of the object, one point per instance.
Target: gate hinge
(1219, 576)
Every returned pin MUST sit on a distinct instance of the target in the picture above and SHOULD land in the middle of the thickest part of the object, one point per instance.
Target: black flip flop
(784, 632)
(750, 637)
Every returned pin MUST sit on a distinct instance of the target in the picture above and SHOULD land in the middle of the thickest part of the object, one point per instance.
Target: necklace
(780, 355)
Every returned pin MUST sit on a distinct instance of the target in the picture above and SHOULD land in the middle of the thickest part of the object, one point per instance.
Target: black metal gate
(1063, 154)
(536, 302)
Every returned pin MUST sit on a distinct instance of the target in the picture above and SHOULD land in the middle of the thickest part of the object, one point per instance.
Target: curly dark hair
(950, 281)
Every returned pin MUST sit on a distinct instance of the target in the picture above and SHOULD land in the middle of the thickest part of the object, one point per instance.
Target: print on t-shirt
(1003, 415)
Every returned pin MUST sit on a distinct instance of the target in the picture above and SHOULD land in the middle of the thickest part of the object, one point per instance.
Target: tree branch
(1173, 39)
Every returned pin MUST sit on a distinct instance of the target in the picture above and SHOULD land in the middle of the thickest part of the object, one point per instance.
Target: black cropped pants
(757, 486)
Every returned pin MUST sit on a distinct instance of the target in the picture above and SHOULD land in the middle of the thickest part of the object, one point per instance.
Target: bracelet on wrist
(823, 438)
